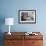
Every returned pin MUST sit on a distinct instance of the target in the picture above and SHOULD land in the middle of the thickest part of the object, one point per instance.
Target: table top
(22, 35)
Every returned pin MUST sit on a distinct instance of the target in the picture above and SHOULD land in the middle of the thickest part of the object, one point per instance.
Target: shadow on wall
(1, 39)
(2, 21)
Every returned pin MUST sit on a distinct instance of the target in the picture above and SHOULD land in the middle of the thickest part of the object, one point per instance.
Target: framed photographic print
(27, 16)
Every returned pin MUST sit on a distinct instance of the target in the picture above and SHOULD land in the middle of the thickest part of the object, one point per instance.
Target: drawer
(16, 37)
(13, 43)
(9, 43)
(33, 43)
(33, 37)
(37, 43)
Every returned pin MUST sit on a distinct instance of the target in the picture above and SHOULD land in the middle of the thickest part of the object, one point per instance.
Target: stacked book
(30, 33)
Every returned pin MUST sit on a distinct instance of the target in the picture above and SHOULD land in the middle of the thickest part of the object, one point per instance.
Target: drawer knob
(33, 42)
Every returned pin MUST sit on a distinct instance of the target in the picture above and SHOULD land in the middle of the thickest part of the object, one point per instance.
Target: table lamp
(9, 21)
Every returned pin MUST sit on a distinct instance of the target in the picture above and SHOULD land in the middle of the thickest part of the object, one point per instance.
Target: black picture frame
(27, 16)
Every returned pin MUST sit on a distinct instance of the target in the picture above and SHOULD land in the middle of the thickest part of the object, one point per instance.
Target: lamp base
(9, 33)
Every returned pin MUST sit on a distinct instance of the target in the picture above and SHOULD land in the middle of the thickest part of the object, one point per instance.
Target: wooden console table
(20, 39)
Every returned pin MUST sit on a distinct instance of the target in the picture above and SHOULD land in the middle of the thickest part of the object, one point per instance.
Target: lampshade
(9, 21)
